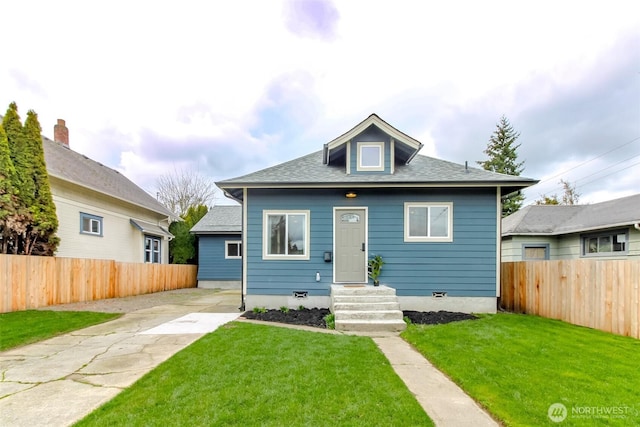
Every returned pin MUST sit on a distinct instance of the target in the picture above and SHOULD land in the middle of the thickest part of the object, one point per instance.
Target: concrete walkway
(444, 401)
(59, 381)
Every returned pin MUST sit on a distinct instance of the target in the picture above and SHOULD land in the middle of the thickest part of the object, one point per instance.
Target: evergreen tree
(41, 236)
(8, 199)
(182, 249)
(502, 153)
(17, 153)
(30, 222)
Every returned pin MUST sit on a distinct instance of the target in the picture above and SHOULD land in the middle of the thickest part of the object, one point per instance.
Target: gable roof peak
(375, 120)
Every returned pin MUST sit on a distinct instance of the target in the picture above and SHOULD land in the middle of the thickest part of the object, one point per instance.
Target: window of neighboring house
(535, 252)
(152, 247)
(233, 250)
(370, 156)
(90, 224)
(428, 222)
(286, 235)
(608, 243)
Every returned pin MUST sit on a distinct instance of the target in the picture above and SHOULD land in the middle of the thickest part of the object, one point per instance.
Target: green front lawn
(253, 375)
(519, 365)
(26, 327)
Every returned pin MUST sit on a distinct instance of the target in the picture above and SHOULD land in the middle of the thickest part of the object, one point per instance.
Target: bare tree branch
(182, 189)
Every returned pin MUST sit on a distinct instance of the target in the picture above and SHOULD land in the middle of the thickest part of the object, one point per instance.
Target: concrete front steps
(365, 308)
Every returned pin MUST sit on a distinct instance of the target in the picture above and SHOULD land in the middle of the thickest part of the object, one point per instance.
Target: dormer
(371, 147)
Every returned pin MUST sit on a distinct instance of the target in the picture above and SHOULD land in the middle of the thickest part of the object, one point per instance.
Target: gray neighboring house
(608, 230)
(219, 235)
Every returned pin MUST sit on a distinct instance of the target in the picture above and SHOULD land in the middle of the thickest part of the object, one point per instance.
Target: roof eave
(574, 230)
(231, 189)
(215, 232)
(166, 213)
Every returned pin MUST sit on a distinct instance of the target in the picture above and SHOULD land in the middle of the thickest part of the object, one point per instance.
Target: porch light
(351, 195)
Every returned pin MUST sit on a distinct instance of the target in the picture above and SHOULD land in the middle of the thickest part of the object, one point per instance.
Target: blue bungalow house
(310, 225)
(219, 235)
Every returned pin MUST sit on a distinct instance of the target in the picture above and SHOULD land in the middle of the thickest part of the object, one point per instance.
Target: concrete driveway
(58, 381)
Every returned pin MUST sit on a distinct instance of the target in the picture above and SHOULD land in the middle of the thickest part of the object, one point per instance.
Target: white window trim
(448, 238)
(361, 167)
(265, 235)
(92, 218)
(226, 249)
(151, 251)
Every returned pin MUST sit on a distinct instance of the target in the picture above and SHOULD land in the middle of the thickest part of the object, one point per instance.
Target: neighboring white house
(101, 213)
(606, 230)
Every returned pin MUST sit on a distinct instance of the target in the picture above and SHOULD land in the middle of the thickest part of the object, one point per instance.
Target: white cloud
(143, 85)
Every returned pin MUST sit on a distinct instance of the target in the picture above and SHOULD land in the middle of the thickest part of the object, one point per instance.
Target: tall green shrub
(41, 237)
(30, 223)
(8, 198)
(182, 249)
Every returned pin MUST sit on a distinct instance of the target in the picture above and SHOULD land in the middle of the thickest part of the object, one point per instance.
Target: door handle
(363, 247)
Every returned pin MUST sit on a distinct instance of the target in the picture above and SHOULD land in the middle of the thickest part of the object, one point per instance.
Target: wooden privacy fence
(600, 294)
(28, 282)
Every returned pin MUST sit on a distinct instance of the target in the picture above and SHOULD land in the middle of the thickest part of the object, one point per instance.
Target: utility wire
(590, 160)
(576, 185)
(608, 167)
(612, 173)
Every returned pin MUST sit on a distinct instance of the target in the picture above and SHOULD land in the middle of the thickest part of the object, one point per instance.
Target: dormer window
(370, 156)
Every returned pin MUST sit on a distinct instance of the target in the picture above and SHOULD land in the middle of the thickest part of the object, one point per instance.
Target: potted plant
(375, 265)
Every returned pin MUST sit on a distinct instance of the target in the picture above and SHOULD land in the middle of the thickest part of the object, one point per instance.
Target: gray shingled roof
(220, 220)
(66, 164)
(310, 171)
(555, 220)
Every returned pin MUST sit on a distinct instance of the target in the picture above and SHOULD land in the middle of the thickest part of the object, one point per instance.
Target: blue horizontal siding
(464, 267)
(212, 264)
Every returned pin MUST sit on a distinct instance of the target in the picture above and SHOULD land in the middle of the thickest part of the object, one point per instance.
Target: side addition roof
(220, 220)
(68, 165)
(554, 220)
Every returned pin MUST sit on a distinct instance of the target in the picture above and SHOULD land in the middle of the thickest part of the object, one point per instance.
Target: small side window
(233, 250)
(535, 252)
(90, 224)
(152, 247)
(606, 243)
(370, 156)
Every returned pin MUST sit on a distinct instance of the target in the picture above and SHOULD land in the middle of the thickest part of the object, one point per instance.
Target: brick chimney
(61, 133)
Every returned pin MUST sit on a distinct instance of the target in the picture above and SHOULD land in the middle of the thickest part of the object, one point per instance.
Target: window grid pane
(278, 230)
(418, 221)
(295, 234)
(439, 221)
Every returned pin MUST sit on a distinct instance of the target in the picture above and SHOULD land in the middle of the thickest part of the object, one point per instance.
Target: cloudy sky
(230, 87)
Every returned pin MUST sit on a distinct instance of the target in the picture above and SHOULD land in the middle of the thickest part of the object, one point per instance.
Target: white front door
(350, 240)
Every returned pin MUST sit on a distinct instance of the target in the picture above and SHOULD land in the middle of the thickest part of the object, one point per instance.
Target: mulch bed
(315, 317)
